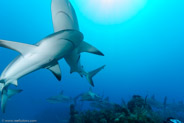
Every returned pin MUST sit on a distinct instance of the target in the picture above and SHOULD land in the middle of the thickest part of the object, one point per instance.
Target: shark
(59, 98)
(103, 104)
(66, 42)
(90, 96)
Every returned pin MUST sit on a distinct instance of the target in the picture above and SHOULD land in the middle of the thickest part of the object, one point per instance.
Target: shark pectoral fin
(55, 69)
(85, 47)
(15, 82)
(6, 94)
(90, 75)
(19, 47)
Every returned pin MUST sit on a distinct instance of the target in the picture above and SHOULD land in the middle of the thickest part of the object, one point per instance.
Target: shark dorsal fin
(19, 47)
(55, 69)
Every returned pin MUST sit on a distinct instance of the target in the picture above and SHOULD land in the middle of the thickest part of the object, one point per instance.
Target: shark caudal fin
(5, 95)
(90, 75)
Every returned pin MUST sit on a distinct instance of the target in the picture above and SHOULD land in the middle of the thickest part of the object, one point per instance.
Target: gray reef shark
(90, 96)
(66, 42)
(102, 104)
(60, 98)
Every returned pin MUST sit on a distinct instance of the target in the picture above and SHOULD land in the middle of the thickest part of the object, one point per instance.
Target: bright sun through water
(110, 11)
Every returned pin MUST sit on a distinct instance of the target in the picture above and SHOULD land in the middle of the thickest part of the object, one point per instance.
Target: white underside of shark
(66, 42)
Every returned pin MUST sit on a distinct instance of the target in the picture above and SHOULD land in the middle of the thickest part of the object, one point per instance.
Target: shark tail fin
(5, 95)
(90, 75)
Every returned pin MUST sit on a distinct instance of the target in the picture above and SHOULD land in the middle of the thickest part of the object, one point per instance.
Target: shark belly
(20, 67)
(45, 55)
(56, 49)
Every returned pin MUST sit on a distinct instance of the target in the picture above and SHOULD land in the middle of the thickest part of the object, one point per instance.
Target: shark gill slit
(65, 14)
(73, 45)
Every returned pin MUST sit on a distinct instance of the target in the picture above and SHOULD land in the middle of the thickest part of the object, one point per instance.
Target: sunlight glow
(110, 11)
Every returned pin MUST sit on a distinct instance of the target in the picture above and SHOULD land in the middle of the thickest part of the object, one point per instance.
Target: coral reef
(98, 109)
(136, 111)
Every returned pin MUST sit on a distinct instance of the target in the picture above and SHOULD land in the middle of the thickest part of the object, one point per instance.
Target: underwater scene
(91, 61)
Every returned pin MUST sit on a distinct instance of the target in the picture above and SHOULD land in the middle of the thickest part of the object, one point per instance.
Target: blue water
(143, 55)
